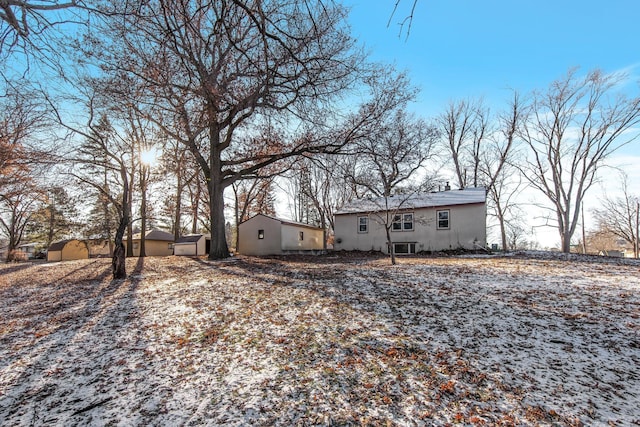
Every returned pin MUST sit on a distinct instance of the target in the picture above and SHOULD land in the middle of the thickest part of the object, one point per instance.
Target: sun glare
(149, 157)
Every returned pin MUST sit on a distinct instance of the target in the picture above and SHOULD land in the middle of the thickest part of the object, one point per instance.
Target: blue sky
(461, 49)
(471, 48)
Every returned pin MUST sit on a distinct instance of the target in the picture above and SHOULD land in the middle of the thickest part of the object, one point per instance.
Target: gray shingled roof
(424, 200)
(189, 239)
(286, 221)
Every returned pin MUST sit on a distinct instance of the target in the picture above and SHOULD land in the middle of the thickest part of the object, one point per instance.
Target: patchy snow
(524, 340)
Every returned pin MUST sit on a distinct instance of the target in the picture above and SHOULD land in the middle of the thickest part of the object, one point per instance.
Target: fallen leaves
(304, 341)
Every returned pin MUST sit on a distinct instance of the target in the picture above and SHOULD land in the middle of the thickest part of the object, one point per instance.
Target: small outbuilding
(67, 250)
(265, 235)
(156, 243)
(191, 245)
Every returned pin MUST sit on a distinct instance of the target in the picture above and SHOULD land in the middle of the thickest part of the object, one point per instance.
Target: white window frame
(402, 222)
(363, 221)
(448, 219)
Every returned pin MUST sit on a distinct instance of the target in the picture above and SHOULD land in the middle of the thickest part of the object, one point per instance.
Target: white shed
(191, 245)
(265, 235)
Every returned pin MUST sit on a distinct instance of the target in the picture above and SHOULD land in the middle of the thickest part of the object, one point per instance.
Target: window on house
(443, 220)
(136, 245)
(363, 224)
(260, 234)
(301, 235)
(402, 222)
(404, 248)
(170, 246)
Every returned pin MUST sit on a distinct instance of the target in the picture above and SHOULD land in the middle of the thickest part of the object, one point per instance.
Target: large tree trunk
(195, 206)
(143, 224)
(178, 213)
(392, 253)
(118, 262)
(636, 245)
(503, 229)
(219, 247)
(565, 240)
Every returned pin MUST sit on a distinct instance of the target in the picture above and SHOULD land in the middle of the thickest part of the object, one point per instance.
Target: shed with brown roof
(67, 250)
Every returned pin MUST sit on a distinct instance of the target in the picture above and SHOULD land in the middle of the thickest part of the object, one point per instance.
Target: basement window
(404, 248)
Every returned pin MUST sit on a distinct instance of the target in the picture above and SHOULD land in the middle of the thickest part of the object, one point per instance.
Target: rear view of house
(452, 219)
(265, 235)
(67, 250)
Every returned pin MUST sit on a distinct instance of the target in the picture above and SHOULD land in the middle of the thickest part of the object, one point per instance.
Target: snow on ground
(332, 340)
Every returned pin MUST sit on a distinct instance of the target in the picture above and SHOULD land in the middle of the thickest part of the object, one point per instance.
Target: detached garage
(264, 235)
(191, 245)
(67, 250)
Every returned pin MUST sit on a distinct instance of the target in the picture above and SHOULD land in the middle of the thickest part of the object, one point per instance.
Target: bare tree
(465, 127)
(180, 172)
(217, 70)
(318, 185)
(105, 150)
(22, 117)
(620, 216)
(17, 206)
(54, 219)
(388, 160)
(390, 155)
(571, 129)
(406, 20)
(498, 174)
(36, 32)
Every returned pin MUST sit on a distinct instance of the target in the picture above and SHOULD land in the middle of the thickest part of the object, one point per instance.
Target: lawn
(528, 339)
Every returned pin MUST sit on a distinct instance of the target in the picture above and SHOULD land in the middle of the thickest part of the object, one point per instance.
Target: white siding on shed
(192, 245)
(264, 235)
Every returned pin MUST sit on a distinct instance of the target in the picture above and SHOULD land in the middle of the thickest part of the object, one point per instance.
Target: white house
(191, 245)
(265, 235)
(452, 219)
